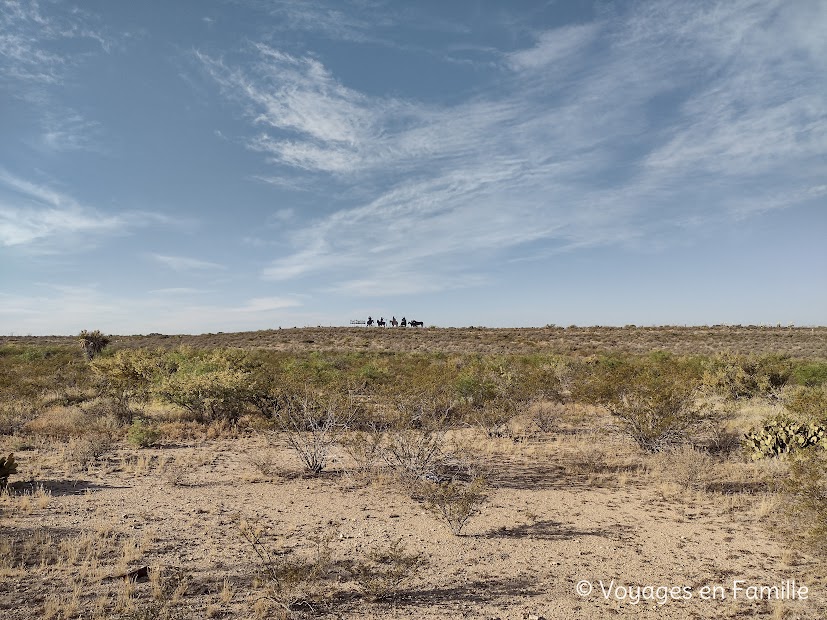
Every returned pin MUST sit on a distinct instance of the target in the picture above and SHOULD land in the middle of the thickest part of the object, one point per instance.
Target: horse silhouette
(394, 322)
(381, 322)
(416, 323)
(404, 322)
(370, 321)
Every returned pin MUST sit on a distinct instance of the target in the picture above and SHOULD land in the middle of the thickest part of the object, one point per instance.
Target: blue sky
(200, 166)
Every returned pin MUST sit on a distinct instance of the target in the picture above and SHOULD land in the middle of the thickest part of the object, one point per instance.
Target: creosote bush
(313, 423)
(142, 434)
(686, 466)
(455, 502)
(807, 487)
(127, 377)
(653, 399)
(212, 386)
(383, 570)
(310, 579)
(807, 402)
(413, 453)
(292, 581)
(738, 377)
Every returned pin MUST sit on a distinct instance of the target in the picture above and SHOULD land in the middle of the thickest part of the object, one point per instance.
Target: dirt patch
(551, 524)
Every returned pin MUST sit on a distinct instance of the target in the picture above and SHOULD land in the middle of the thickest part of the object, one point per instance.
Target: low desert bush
(807, 402)
(142, 434)
(126, 378)
(686, 466)
(739, 377)
(807, 487)
(312, 424)
(81, 452)
(654, 400)
(212, 386)
(493, 391)
(415, 426)
(384, 569)
(455, 502)
(364, 448)
(61, 422)
(292, 581)
(412, 453)
(547, 416)
(810, 374)
(14, 415)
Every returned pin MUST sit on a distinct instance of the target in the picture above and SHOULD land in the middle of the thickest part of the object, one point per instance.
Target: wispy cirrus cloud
(614, 131)
(41, 47)
(36, 216)
(30, 41)
(67, 130)
(186, 263)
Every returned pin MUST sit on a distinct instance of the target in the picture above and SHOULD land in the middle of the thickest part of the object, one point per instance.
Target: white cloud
(267, 304)
(28, 37)
(69, 131)
(181, 290)
(185, 263)
(31, 213)
(554, 46)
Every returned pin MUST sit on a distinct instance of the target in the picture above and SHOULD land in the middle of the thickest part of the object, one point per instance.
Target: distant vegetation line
(804, 342)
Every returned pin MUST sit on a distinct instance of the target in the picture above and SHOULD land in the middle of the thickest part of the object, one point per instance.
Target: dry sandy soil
(562, 508)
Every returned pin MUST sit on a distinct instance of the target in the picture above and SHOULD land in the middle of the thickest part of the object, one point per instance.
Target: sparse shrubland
(521, 438)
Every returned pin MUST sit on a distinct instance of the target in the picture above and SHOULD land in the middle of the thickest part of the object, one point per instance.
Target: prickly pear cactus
(782, 435)
(8, 466)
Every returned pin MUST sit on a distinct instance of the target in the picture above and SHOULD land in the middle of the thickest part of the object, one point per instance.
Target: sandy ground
(553, 522)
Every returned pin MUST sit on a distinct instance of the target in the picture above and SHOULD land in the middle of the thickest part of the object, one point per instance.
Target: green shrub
(142, 435)
(807, 487)
(654, 399)
(810, 374)
(738, 377)
(213, 386)
(781, 435)
(126, 378)
(808, 403)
